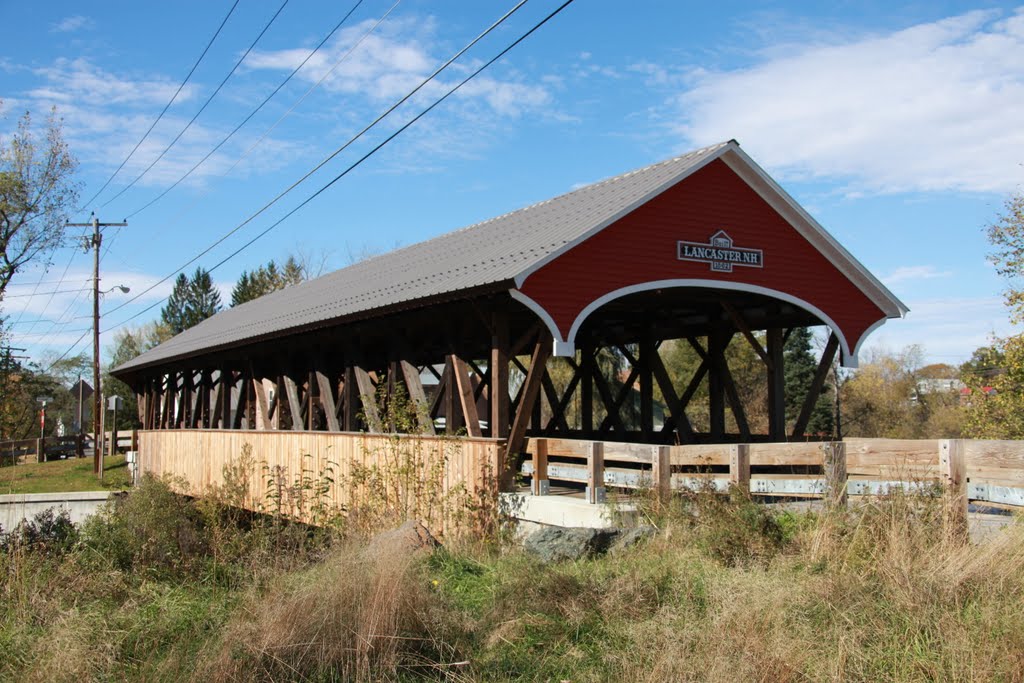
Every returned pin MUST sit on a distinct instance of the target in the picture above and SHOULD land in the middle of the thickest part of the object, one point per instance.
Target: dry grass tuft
(357, 617)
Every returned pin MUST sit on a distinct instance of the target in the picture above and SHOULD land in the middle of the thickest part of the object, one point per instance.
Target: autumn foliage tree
(996, 405)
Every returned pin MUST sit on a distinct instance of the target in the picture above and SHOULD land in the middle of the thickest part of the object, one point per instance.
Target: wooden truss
(484, 369)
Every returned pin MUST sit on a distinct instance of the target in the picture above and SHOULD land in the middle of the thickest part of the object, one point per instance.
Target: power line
(201, 109)
(166, 107)
(269, 130)
(35, 288)
(320, 165)
(376, 148)
(249, 117)
(56, 291)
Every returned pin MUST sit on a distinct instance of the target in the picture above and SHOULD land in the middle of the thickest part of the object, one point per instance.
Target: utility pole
(95, 242)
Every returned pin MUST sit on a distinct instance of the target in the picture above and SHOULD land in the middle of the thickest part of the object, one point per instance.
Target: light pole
(97, 420)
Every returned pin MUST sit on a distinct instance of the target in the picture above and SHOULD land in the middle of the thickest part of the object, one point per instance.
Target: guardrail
(989, 472)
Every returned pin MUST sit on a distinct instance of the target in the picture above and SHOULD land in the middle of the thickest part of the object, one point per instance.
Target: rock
(555, 544)
(627, 538)
(408, 540)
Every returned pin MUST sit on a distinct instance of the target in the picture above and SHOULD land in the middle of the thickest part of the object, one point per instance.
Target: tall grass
(162, 588)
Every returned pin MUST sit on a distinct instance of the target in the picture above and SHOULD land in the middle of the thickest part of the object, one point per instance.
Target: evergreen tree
(204, 299)
(173, 314)
(292, 274)
(266, 279)
(800, 366)
(192, 301)
(243, 290)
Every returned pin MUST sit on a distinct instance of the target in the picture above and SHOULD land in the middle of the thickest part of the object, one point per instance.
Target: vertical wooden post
(953, 471)
(451, 398)
(41, 449)
(227, 381)
(739, 466)
(716, 384)
(595, 473)
(498, 392)
(135, 440)
(349, 411)
(776, 378)
(647, 350)
(541, 485)
(661, 472)
(79, 445)
(834, 465)
(587, 390)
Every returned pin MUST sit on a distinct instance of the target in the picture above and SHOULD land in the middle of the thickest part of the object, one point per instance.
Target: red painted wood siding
(641, 247)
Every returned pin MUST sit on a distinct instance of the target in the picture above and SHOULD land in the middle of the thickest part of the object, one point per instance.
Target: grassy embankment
(162, 588)
(74, 474)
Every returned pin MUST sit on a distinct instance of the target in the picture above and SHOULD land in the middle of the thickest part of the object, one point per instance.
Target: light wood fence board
(698, 455)
(796, 453)
(200, 456)
(994, 454)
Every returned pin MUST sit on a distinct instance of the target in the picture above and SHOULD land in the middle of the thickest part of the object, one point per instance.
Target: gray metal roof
(494, 251)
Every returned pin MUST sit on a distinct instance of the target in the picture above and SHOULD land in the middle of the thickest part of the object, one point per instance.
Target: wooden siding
(467, 467)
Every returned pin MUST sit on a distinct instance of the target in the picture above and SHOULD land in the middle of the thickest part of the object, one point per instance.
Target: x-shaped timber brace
(513, 390)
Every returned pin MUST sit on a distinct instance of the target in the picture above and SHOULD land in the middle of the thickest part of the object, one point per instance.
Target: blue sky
(896, 125)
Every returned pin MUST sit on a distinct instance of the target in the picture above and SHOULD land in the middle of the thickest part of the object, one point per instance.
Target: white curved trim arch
(568, 346)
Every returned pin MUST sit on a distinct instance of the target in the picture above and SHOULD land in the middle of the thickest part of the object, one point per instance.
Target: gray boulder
(556, 544)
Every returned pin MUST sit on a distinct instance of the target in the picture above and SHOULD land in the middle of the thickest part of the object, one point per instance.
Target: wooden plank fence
(52, 447)
(988, 472)
(439, 479)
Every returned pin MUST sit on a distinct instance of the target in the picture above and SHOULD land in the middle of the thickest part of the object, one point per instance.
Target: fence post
(135, 440)
(953, 471)
(739, 466)
(41, 449)
(79, 445)
(540, 485)
(661, 472)
(834, 453)
(595, 473)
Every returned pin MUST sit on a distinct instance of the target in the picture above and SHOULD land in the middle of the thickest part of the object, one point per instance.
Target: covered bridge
(704, 248)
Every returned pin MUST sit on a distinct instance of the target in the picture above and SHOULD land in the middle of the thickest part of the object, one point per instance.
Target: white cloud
(70, 80)
(392, 61)
(934, 107)
(905, 273)
(948, 329)
(71, 24)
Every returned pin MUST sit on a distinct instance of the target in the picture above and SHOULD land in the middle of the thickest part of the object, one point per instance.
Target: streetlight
(97, 419)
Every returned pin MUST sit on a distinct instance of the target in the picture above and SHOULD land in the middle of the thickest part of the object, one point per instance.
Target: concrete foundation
(567, 511)
(80, 505)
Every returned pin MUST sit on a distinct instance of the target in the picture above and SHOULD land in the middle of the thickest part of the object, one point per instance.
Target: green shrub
(152, 529)
(50, 532)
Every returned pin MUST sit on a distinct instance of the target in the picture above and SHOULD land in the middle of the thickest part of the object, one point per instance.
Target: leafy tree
(23, 383)
(883, 399)
(192, 301)
(995, 374)
(37, 193)
(129, 344)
